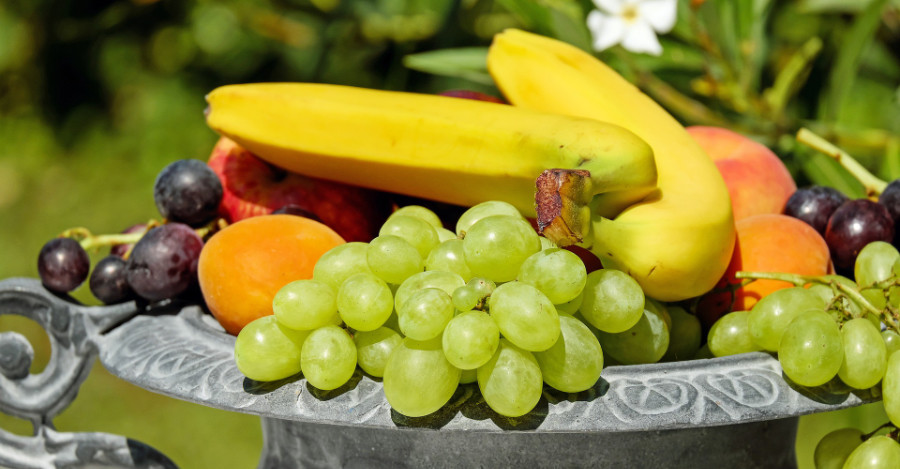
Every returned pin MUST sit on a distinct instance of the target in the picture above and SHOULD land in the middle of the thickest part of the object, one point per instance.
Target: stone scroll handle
(73, 330)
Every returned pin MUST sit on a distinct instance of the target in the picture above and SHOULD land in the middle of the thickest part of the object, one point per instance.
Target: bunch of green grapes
(832, 328)
(427, 309)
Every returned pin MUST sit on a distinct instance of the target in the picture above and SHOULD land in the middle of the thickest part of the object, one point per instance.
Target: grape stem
(872, 184)
(801, 280)
(90, 241)
(880, 427)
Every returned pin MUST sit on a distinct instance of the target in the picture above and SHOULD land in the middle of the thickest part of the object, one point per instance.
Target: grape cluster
(834, 331)
(848, 225)
(428, 309)
(152, 261)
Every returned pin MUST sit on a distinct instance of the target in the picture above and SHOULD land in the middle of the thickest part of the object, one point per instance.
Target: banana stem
(872, 184)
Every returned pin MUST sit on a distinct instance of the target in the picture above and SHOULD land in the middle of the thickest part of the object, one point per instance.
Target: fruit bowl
(722, 412)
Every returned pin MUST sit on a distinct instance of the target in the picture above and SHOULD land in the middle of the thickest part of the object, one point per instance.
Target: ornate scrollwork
(73, 331)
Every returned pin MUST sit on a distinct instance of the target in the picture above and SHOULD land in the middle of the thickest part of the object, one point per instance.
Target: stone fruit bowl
(734, 411)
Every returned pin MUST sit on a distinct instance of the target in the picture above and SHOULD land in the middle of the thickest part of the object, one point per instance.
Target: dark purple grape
(890, 198)
(63, 264)
(108, 281)
(189, 192)
(814, 205)
(164, 262)
(853, 225)
(121, 249)
(293, 209)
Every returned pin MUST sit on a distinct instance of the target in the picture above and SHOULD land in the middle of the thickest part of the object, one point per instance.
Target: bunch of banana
(676, 242)
(453, 150)
(660, 211)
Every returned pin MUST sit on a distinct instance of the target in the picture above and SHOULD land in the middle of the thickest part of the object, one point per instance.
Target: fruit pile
(426, 309)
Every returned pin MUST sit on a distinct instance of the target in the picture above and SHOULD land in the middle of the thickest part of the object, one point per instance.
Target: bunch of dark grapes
(153, 262)
(848, 225)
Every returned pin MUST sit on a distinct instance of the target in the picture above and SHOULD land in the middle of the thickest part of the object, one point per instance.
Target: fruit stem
(880, 427)
(800, 280)
(872, 184)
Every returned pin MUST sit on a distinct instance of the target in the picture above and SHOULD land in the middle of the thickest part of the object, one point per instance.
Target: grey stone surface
(726, 412)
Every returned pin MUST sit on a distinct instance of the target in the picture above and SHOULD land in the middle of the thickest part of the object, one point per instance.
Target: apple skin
(253, 187)
(758, 182)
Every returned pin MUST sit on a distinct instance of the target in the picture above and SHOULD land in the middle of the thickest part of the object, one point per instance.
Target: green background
(97, 96)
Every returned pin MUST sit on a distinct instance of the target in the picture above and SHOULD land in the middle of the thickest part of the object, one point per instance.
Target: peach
(758, 182)
(766, 243)
(242, 266)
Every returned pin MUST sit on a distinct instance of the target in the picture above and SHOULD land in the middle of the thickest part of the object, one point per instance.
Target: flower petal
(639, 37)
(659, 13)
(613, 7)
(606, 30)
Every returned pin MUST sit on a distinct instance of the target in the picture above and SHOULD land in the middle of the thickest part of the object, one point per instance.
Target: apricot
(242, 266)
(766, 243)
(757, 180)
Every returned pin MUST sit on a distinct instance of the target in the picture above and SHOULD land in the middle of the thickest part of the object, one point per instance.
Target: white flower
(633, 23)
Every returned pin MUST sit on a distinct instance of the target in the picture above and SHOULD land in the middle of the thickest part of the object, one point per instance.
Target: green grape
(340, 262)
(267, 351)
(810, 351)
(365, 302)
(525, 316)
(685, 335)
(558, 273)
(547, 244)
(613, 301)
(771, 315)
(425, 314)
(865, 355)
(495, 247)
(449, 256)
(418, 379)
(511, 381)
(645, 342)
(374, 348)
(468, 376)
(827, 293)
(832, 450)
(465, 298)
(890, 389)
(875, 263)
(423, 213)
(574, 362)
(482, 286)
(660, 308)
(484, 210)
(891, 341)
(730, 335)
(305, 304)
(392, 259)
(328, 357)
(393, 322)
(447, 281)
(704, 353)
(571, 307)
(444, 234)
(878, 452)
(417, 232)
(470, 339)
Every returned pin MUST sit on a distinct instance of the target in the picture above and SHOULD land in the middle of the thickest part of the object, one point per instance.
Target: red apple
(758, 182)
(253, 187)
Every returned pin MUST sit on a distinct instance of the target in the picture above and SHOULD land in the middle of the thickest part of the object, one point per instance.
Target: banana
(454, 150)
(676, 242)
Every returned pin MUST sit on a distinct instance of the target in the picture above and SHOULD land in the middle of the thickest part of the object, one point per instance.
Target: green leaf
(846, 65)
(825, 171)
(465, 62)
(560, 19)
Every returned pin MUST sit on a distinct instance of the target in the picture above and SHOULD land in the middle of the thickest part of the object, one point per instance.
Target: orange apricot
(766, 243)
(242, 266)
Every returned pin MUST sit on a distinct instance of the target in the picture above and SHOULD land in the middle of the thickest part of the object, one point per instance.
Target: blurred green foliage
(96, 96)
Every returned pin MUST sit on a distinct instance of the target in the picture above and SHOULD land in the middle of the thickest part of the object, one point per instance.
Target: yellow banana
(453, 150)
(676, 243)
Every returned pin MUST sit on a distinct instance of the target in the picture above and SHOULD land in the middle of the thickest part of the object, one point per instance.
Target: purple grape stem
(872, 184)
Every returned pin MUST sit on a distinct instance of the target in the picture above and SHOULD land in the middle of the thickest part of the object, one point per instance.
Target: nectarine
(758, 182)
(242, 267)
